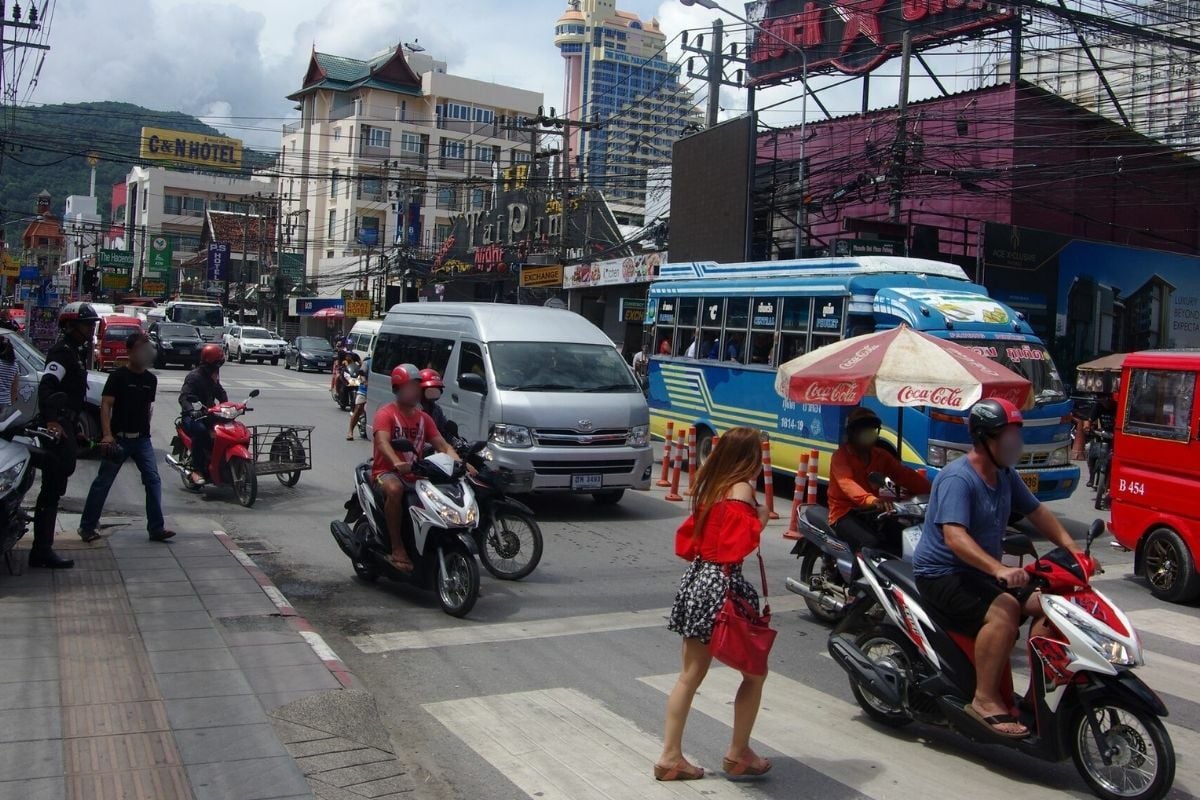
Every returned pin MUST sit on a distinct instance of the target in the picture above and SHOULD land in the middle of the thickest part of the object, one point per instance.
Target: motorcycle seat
(818, 517)
(900, 573)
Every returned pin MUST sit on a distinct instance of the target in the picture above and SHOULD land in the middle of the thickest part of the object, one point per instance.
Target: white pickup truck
(253, 344)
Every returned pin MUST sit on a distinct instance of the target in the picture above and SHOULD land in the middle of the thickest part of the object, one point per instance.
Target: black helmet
(989, 417)
(77, 312)
(861, 418)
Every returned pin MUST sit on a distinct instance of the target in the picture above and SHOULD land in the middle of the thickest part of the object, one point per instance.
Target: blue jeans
(142, 452)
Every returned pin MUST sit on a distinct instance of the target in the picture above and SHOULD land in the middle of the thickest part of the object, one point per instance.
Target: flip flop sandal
(680, 771)
(997, 719)
(89, 536)
(747, 767)
(405, 567)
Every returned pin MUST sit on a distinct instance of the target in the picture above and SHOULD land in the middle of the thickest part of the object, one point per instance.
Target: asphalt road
(554, 687)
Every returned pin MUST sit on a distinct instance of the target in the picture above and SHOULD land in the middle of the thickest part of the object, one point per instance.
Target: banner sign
(116, 269)
(855, 36)
(218, 261)
(359, 309)
(152, 286)
(159, 259)
(180, 147)
(617, 271)
(29, 272)
(307, 306)
(548, 277)
(292, 266)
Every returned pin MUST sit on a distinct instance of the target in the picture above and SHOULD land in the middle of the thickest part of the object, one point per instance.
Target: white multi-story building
(391, 144)
(1157, 86)
(172, 203)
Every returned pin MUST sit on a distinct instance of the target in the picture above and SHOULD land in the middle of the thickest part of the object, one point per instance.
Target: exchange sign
(855, 36)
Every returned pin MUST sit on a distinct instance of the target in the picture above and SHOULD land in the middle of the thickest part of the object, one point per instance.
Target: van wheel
(1169, 568)
(609, 498)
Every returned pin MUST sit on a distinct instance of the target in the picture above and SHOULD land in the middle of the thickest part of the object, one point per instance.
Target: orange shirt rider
(852, 464)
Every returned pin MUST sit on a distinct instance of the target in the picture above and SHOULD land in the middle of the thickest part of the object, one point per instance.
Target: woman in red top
(724, 528)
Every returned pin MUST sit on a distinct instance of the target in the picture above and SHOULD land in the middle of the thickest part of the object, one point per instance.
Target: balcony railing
(453, 164)
(293, 127)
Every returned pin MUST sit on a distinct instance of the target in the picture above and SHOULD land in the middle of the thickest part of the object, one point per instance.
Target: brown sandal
(680, 771)
(746, 766)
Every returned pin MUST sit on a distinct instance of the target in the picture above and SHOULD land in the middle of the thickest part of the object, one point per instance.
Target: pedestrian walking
(126, 407)
(360, 400)
(724, 527)
(10, 379)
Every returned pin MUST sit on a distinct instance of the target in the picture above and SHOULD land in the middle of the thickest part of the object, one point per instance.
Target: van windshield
(560, 367)
(200, 316)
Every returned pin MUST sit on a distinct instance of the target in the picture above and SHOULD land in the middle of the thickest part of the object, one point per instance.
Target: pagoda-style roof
(389, 71)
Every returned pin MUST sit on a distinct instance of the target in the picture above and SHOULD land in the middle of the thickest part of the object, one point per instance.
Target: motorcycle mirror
(253, 393)
(1094, 532)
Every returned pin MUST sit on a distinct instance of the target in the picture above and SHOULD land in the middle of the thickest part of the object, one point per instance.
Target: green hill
(46, 147)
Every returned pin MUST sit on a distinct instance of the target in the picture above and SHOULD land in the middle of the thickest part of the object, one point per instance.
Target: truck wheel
(241, 357)
(1169, 567)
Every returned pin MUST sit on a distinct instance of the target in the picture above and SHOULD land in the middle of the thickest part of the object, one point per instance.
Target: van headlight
(639, 435)
(10, 476)
(511, 435)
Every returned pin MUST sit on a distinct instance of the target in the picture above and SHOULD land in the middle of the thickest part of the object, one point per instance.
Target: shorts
(360, 399)
(961, 598)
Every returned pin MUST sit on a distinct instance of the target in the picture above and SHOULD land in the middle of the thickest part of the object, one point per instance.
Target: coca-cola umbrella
(331, 312)
(900, 367)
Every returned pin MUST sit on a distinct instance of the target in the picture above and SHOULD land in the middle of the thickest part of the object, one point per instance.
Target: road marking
(831, 735)
(560, 744)
(1171, 624)
(535, 629)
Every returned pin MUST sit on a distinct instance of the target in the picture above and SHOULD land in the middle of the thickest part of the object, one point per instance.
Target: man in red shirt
(392, 471)
(850, 490)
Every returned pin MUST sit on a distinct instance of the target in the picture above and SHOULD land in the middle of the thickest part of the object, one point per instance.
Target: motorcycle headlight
(511, 435)
(1111, 650)
(10, 476)
(228, 412)
(449, 514)
(639, 435)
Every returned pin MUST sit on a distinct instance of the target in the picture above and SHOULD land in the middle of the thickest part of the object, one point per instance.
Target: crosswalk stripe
(537, 629)
(560, 744)
(1171, 624)
(830, 735)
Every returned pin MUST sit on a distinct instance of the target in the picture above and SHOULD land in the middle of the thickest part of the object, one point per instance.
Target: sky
(233, 62)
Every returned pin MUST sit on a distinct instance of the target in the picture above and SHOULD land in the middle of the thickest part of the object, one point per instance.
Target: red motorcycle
(230, 463)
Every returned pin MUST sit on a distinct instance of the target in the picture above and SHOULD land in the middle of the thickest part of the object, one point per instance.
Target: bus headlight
(1060, 457)
(940, 456)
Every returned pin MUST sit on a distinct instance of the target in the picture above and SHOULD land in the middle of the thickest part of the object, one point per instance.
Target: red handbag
(742, 637)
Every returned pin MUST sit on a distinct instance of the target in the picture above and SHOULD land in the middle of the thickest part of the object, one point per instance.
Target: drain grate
(255, 547)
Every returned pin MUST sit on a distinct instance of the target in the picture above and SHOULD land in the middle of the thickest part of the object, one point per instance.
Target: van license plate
(587, 483)
(1031, 480)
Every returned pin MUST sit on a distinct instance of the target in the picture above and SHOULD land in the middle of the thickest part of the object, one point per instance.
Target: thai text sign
(180, 147)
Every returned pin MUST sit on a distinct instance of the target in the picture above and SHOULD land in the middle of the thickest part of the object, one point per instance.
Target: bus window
(827, 318)
(737, 320)
(762, 348)
(711, 316)
(794, 319)
(688, 309)
(764, 318)
(664, 329)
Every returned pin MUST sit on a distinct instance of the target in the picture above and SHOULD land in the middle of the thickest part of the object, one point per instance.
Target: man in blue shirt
(957, 562)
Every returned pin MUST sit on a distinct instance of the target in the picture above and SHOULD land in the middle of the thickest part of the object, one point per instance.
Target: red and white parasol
(900, 367)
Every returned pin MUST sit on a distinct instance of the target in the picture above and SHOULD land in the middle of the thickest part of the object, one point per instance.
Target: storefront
(612, 295)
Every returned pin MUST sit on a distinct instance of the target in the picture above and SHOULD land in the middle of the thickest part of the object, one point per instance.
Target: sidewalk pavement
(175, 671)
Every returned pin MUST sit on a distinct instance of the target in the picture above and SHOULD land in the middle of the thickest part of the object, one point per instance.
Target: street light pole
(714, 6)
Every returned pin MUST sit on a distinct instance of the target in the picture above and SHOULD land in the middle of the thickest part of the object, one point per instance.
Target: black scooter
(508, 535)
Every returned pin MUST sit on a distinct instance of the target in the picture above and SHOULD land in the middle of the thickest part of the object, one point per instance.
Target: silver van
(558, 405)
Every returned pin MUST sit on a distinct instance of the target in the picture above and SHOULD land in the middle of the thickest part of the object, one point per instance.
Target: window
(173, 205)
(448, 198)
(452, 149)
(379, 137)
(193, 206)
(827, 316)
(333, 184)
(1159, 404)
(332, 223)
(793, 340)
(484, 115)
(560, 367)
(664, 319)
(484, 154)
(337, 134)
(470, 361)
(424, 351)
(411, 143)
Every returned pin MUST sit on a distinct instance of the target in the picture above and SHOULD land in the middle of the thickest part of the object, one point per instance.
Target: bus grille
(1029, 460)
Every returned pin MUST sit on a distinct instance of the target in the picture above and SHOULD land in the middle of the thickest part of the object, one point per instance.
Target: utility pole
(900, 148)
(716, 73)
(242, 268)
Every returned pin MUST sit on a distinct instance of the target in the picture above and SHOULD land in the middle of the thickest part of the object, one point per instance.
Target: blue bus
(720, 330)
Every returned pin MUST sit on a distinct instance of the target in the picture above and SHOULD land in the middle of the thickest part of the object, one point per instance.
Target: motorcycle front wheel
(458, 588)
(244, 480)
(511, 547)
(1142, 760)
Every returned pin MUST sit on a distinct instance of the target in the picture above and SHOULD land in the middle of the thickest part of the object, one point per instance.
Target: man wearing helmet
(392, 471)
(202, 390)
(431, 391)
(64, 375)
(958, 565)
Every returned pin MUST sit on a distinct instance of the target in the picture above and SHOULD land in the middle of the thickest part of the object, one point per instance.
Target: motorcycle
(508, 536)
(20, 456)
(1104, 452)
(442, 516)
(230, 463)
(346, 386)
(827, 563)
(1084, 700)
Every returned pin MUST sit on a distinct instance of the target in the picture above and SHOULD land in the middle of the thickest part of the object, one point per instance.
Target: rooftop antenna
(414, 46)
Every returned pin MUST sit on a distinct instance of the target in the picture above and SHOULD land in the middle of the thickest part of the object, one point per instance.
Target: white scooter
(20, 456)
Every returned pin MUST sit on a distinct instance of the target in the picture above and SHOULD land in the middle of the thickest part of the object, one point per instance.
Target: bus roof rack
(812, 267)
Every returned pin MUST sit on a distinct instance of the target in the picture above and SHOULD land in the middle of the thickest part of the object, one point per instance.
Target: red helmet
(212, 354)
(431, 380)
(404, 374)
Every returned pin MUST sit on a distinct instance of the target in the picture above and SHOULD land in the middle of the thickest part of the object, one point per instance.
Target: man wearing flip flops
(125, 410)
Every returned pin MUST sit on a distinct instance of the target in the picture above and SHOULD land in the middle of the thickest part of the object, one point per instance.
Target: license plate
(185, 350)
(587, 483)
(1031, 480)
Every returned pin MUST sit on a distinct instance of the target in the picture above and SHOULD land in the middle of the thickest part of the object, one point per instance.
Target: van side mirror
(470, 382)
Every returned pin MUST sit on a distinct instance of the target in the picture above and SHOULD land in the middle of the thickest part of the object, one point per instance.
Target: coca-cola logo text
(858, 356)
(836, 394)
(940, 396)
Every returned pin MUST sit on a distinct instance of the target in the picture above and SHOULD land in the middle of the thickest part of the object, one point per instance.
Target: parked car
(177, 343)
(309, 352)
(31, 363)
(15, 317)
(258, 344)
(110, 351)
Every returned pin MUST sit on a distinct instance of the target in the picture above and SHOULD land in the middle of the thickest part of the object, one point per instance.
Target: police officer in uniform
(64, 374)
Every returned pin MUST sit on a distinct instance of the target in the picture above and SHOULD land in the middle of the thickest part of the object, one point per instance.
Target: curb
(323, 651)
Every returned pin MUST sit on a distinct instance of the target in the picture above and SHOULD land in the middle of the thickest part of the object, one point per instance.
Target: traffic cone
(814, 460)
(673, 495)
(799, 492)
(768, 479)
(715, 440)
(691, 471)
(664, 478)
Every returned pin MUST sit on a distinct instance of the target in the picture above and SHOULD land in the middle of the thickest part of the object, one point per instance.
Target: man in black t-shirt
(125, 409)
